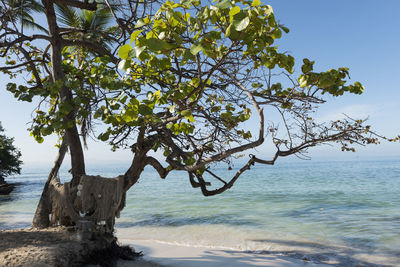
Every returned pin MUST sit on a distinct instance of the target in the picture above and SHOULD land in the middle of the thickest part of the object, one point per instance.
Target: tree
(190, 76)
(10, 162)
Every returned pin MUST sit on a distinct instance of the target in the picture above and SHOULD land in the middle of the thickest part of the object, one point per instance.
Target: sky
(362, 35)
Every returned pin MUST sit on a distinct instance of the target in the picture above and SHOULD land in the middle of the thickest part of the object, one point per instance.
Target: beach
(161, 254)
(59, 247)
(278, 253)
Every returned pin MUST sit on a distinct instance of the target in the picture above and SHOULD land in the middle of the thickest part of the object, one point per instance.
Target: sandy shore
(46, 247)
(60, 247)
(55, 246)
(159, 254)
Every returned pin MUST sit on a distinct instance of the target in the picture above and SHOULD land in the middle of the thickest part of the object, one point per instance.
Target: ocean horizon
(344, 211)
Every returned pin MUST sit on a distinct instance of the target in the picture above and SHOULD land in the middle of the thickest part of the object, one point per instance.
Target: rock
(6, 189)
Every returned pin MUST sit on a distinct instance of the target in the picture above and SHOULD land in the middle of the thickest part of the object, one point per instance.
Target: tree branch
(163, 172)
(237, 149)
(203, 184)
(92, 46)
(82, 5)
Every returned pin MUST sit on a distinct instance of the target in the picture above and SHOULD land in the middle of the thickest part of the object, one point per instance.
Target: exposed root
(109, 256)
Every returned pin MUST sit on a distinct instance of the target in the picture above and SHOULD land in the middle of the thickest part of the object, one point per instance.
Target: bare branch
(163, 172)
(203, 184)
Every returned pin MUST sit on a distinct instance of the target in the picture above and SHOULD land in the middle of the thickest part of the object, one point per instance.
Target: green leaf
(157, 95)
(123, 52)
(285, 29)
(242, 24)
(121, 64)
(186, 113)
(232, 33)
(215, 109)
(190, 161)
(104, 136)
(228, 31)
(155, 44)
(46, 130)
(196, 48)
(234, 10)
(145, 110)
(139, 50)
(130, 115)
(190, 118)
(276, 34)
(140, 23)
(39, 139)
(302, 81)
(135, 35)
(307, 66)
(224, 4)
(187, 55)
(256, 3)
(269, 11)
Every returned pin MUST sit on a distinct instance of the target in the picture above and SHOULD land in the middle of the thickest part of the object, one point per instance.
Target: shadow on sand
(317, 256)
(177, 256)
(326, 254)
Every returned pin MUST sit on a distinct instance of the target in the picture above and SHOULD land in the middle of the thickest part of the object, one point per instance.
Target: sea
(344, 213)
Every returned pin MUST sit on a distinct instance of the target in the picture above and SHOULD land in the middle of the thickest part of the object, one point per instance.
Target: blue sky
(361, 35)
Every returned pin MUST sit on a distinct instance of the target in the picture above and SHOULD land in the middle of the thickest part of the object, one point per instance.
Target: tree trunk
(71, 137)
(71, 134)
(43, 209)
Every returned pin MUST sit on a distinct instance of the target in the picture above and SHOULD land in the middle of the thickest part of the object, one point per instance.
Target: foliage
(199, 71)
(21, 11)
(10, 162)
(185, 80)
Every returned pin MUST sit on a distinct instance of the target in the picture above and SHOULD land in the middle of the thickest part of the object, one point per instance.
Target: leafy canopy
(10, 162)
(189, 60)
(188, 79)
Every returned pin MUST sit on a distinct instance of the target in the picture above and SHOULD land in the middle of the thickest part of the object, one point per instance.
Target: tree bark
(43, 210)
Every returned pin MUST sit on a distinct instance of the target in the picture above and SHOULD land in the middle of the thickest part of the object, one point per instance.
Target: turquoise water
(341, 213)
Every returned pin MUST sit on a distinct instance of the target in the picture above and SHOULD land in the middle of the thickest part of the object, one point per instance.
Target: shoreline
(159, 254)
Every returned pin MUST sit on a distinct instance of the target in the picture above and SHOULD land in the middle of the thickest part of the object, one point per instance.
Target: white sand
(160, 254)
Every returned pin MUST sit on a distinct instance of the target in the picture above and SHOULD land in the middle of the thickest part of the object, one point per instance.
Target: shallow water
(334, 212)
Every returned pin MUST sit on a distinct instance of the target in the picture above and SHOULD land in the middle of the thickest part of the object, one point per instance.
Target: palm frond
(24, 10)
(25, 6)
(68, 16)
(28, 23)
(102, 18)
(33, 5)
(86, 18)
